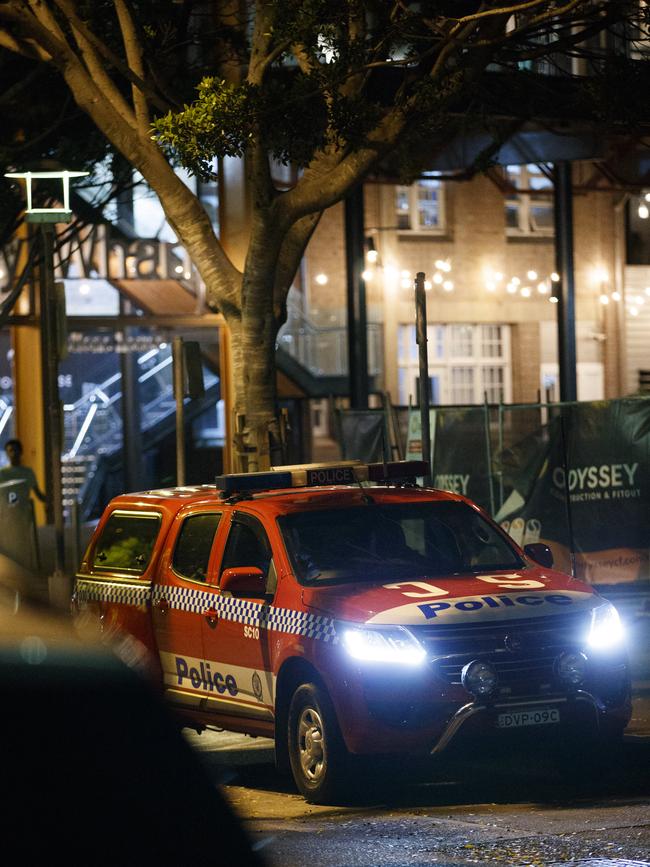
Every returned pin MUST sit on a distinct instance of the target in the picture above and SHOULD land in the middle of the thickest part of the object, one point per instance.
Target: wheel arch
(294, 672)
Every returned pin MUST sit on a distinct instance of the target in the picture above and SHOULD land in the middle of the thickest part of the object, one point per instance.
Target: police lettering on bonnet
(344, 597)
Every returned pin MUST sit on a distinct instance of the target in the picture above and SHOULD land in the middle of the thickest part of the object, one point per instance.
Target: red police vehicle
(345, 611)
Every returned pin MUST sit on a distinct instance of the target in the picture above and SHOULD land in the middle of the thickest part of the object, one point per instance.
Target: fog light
(479, 678)
(572, 667)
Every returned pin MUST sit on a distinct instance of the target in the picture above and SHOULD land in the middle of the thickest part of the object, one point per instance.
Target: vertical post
(488, 450)
(179, 395)
(356, 300)
(52, 416)
(423, 386)
(566, 318)
(131, 426)
(500, 453)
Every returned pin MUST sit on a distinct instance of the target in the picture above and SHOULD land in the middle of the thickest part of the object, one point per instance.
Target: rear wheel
(320, 763)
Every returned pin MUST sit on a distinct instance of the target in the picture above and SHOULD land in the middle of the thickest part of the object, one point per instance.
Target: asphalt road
(502, 808)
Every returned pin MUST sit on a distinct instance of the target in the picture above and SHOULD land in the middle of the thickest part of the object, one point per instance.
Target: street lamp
(51, 332)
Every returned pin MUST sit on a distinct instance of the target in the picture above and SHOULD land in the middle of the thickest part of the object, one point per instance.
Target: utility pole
(566, 312)
(53, 415)
(423, 384)
(356, 300)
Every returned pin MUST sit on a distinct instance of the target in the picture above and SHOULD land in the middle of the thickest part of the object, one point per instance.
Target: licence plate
(528, 717)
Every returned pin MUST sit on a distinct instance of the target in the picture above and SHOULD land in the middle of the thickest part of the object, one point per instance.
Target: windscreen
(396, 542)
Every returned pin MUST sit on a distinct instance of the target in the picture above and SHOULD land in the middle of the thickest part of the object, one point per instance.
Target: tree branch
(116, 62)
(26, 48)
(94, 65)
(291, 253)
(133, 50)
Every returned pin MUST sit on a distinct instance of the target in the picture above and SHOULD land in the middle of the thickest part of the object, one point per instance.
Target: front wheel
(318, 757)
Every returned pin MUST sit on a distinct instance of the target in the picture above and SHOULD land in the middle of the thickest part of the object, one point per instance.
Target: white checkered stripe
(107, 591)
(270, 617)
(181, 598)
(198, 601)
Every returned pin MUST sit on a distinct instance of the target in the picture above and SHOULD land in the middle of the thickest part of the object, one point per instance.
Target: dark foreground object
(94, 770)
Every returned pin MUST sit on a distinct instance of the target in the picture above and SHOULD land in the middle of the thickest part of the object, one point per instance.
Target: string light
(321, 279)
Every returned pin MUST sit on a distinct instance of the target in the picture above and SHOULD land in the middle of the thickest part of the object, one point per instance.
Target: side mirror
(540, 553)
(243, 581)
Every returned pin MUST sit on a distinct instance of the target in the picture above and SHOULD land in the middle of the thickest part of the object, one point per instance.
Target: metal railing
(323, 350)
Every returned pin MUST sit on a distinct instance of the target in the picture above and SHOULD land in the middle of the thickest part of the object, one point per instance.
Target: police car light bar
(312, 475)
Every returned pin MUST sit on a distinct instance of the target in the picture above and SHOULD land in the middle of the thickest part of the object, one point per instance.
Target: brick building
(488, 253)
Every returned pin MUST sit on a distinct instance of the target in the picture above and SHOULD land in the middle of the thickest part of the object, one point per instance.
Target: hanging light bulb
(616, 296)
(321, 279)
(554, 299)
(372, 256)
(643, 211)
(525, 291)
(438, 278)
(542, 288)
(604, 299)
(448, 286)
(555, 277)
(532, 275)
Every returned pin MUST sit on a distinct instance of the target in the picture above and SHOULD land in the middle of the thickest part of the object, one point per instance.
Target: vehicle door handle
(212, 618)
(163, 606)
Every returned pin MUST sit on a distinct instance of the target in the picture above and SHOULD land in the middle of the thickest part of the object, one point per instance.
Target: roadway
(499, 809)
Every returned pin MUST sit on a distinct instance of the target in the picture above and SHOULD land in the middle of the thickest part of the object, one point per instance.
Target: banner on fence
(582, 485)
(459, 450)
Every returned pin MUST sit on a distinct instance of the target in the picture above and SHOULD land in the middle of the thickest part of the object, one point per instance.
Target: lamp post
(51, 338)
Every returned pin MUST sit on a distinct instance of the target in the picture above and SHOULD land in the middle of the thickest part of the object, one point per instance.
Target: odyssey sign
(92, 253)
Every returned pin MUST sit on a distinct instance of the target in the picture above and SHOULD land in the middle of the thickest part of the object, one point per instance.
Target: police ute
(351, 614)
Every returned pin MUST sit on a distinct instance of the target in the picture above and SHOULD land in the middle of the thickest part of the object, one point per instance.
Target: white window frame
(412, 211)
(524, 205)
(441, 365)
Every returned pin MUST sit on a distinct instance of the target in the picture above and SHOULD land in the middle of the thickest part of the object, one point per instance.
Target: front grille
(523, 652)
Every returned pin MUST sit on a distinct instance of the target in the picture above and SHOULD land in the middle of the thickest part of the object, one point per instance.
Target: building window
(467, 362)
(531, 211)
(419, 207)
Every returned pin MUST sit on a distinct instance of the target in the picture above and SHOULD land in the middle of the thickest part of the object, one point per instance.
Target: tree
(333, 87)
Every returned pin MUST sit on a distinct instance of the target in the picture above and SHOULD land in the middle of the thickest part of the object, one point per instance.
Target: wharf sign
(92, 253)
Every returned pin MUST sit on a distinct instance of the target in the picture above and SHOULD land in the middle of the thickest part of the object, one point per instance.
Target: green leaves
(217, 124)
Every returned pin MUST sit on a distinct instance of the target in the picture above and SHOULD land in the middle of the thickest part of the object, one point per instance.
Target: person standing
(16, 471)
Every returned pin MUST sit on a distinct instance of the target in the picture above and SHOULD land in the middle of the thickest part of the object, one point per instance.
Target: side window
(193, 546)
(126, 542)
(247, 545)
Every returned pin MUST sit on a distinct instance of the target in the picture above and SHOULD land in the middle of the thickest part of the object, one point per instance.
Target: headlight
(479, 678)
(606, 629)
(392, 644)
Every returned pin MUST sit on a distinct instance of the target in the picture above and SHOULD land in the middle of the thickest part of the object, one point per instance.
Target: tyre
(319, 761)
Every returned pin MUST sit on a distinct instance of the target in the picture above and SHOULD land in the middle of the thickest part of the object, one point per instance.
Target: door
(235, 634)
(178, 605)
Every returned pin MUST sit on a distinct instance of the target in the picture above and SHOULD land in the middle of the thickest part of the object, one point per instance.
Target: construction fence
(575, 476)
